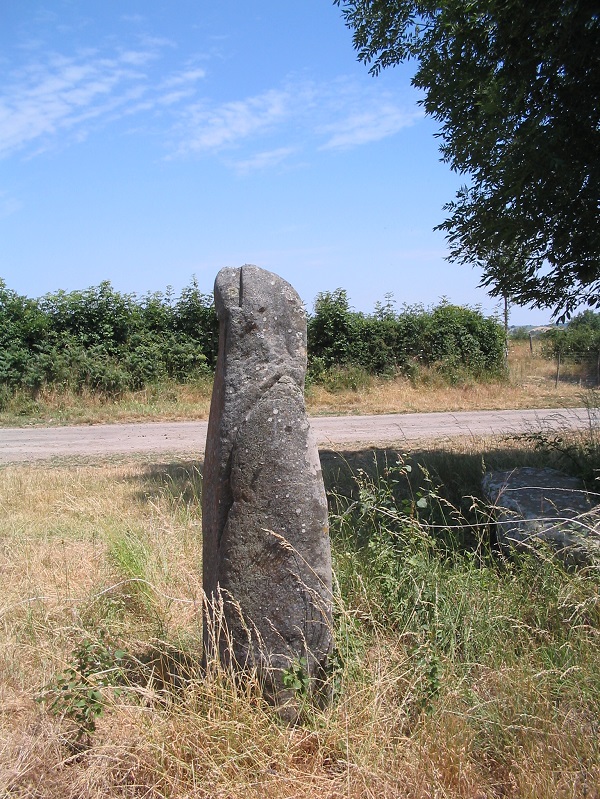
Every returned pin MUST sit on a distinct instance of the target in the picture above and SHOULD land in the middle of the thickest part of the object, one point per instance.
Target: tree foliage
(516, 89)
(579, 341)
(104, 341)
(459, 343)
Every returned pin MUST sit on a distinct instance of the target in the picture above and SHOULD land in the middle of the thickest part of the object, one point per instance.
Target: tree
(516, 88)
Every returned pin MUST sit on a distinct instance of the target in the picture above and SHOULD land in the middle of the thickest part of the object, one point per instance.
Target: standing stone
(266, 553)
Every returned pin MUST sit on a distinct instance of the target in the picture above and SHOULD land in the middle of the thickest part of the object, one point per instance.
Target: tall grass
(456, 673)
(165, 401)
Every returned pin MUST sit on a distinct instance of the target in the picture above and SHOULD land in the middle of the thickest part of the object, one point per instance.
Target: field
(457, 672)
(531, 384)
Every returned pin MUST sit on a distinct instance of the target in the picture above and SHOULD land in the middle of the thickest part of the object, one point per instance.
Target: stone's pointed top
(250, 286)
(263, 324)
(227, 287)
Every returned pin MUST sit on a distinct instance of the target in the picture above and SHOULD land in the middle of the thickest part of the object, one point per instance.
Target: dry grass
(169, 402)
(116, 546)
(531, 384)
(66, 536)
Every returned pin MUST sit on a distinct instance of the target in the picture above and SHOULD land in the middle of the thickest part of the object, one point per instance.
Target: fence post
(557, 370)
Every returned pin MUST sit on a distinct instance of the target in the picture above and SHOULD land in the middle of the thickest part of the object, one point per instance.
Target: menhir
(266, 552)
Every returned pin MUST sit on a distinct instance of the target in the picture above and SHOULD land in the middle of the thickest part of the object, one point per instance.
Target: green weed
(78, 693)
(296, 678)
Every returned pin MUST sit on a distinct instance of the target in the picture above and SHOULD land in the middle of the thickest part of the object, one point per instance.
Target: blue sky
(144, 142)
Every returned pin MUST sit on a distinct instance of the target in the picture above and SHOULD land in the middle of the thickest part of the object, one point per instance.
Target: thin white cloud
(369, 126)
(47, 99)
(136, 58)
(263, 160)
(59, 100)
(298, 116)
(186, 77)
(229, 123)
(157, 42)
(171, 98)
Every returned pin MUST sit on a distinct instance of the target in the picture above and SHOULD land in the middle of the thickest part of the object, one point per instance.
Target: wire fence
(583, 367)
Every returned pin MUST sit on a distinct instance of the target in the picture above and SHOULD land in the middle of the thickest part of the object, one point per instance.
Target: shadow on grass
(179, 481)
(456, 473)
(456, 470)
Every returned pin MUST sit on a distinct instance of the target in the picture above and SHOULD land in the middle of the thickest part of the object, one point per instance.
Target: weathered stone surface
(545, 506)
(265, 525)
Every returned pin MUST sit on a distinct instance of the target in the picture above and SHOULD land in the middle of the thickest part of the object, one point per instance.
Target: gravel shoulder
(22, 445)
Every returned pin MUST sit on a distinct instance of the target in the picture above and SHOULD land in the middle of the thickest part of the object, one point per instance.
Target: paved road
(38, 443)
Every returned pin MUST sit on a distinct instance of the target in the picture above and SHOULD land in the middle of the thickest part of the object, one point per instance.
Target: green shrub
(403, 562)
(78, 693)
(519, 333)
(107, 342)
(104, 341)
(459, 342)
(577, 341)
(332, 333)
